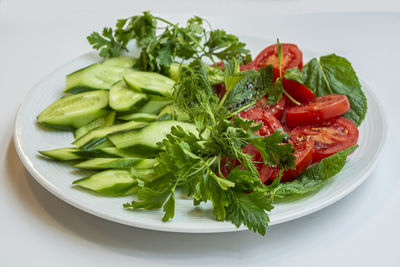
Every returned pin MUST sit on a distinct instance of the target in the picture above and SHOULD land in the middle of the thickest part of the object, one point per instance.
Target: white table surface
(38, 229)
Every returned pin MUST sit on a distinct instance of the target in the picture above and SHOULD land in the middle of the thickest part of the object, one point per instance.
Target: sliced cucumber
(146, 175)
(109, 182)
(121, 61)
(143, 141)
(67, 153)
(146, 164)
(106, 120)
(139, 117)
(124, 98)
(108, 152)
(155, 105)
(150, 83)
(92, 139)
(75, 111)
(109, 163)
(94, 77)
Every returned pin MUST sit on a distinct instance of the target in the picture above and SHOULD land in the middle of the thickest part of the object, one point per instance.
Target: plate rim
(166, 227)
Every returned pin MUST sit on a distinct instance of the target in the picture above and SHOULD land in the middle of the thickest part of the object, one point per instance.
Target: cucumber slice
(146, 175)
(109, 163)
(106, 120)
(150, 83)
(110, 182)
(94, 77)
(143, 141)
(139, 117)
(124, 98)
(108, 152)
(75, 111)
(121, 61)
(67, 153)
(155, 105)
(146, 164)
(92, 139)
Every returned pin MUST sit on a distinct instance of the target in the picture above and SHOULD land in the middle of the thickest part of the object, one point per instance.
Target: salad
(195, 113)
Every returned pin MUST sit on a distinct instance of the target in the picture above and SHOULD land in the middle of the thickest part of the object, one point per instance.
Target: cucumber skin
(106, 120)
(109, 163)
(61, 154)
(80, 89)
(104, 153)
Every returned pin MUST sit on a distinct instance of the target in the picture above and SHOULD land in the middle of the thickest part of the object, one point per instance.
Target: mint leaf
(333, 74)
(313, 178)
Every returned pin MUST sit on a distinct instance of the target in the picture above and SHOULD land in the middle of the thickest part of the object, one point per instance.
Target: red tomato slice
(329, 137)
(248, 66)
(291, 57)
(297, 90)
(276, 109)
(304, 153)
(269, 122)
(317, 110)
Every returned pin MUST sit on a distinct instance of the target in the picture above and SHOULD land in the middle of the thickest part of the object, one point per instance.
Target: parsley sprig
(162, 45)
(193, 162)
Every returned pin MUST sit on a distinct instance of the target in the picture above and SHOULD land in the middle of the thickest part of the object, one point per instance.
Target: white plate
(57, 176)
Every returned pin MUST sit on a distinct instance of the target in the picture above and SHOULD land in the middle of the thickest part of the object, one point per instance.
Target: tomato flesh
(317, 110)
(275, 109)
(291, 57)
(297, 90)
(304, 155)
(269, 122)
(329, 137)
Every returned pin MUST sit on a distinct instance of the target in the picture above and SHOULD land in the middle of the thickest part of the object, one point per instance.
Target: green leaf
(273, 151)
(169, 207)
(275, 92)
(149, 199)
(247, 86)
(313, 178)
(333, 74)
(249, 209)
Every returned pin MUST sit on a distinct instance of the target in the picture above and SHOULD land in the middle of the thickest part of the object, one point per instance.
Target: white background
(37, 229)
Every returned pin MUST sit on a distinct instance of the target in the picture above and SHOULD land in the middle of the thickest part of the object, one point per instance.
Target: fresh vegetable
(329, 137)
(75, 111)
(317, 110)
(175, 43)
(333, 75)
(291, 57)
(230, 148)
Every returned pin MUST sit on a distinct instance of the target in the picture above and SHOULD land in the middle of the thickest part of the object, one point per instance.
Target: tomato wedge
(317, 110)
(304, 155)
(291, 57)
(269, 122)
(276, 109)
(297, 90)
(329, 137)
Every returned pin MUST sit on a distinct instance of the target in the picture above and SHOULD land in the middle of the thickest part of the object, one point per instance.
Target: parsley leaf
(173, 43)
(249, 209)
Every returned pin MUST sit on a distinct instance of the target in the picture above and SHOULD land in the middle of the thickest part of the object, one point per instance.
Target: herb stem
(291, 98)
